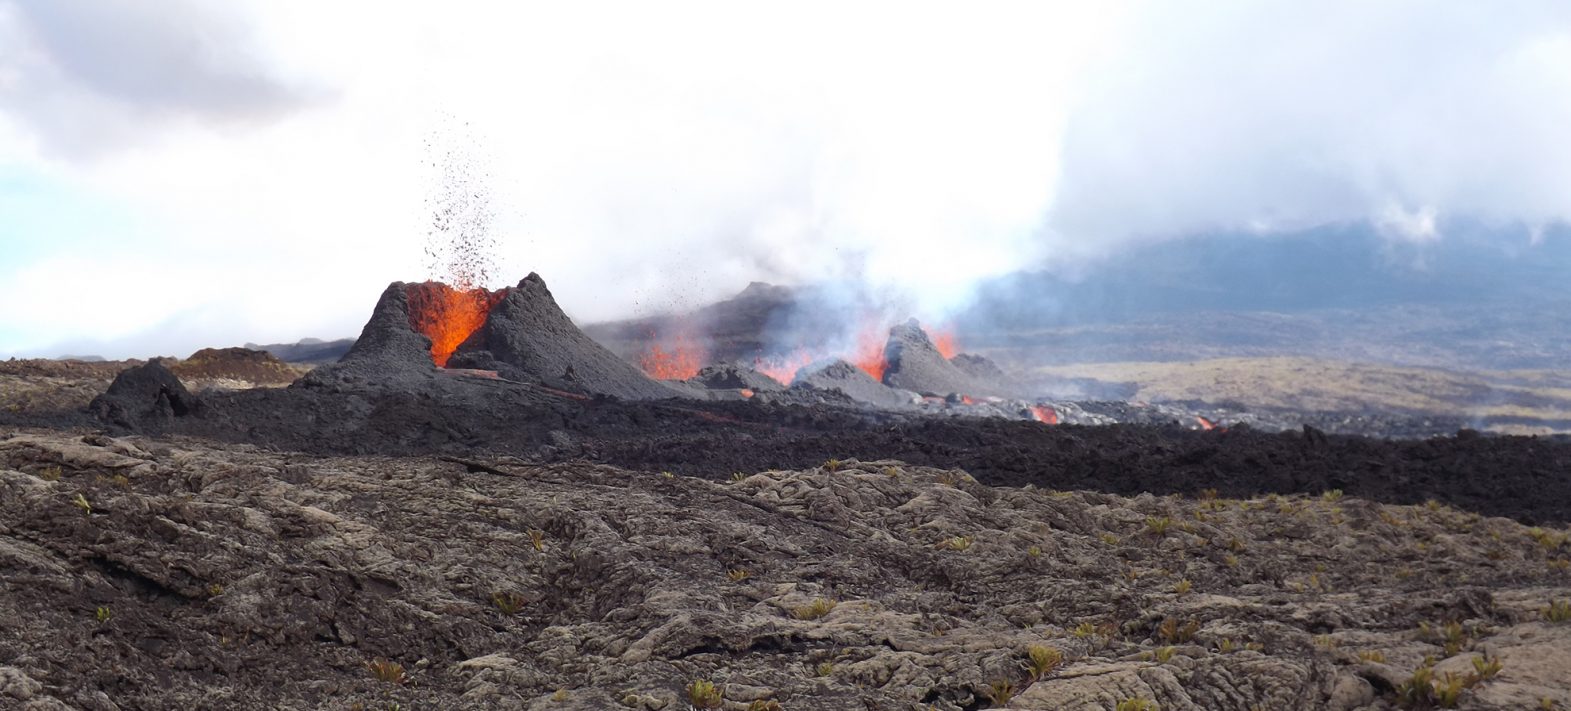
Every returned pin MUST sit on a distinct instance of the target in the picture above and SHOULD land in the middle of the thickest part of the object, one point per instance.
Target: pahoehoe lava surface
(1527, 478)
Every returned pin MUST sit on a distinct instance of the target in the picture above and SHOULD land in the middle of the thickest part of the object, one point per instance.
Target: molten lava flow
(1205, 424)
(783, 367)
(680, 362)
(746, 392)
(869, 354)
(447, 316)
(1044, 414)
(946, 343)
(967, 400)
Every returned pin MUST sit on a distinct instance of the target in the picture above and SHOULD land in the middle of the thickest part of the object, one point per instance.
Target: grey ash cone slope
(914, 363)
(389, 351)
(528, 338)
(851, 381)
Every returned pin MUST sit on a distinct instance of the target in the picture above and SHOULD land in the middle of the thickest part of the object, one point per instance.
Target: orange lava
(679, 359)
(967, 400)
(869, 354)
(746, 392)
(447, 316)
(1205, 424)
(1044, 414)
(946, 343)
(783, 368)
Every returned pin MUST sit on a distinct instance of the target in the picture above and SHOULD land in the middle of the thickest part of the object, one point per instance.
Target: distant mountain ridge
(309, 351)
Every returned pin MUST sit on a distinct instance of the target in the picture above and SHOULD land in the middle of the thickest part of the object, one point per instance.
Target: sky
(185, 173)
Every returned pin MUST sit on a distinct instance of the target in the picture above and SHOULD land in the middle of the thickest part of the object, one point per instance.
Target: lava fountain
(447, 315)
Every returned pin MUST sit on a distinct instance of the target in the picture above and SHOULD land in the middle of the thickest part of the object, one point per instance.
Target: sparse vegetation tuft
(1171, 631)
(508, 603)
(1137, 705)
(737, 575)
(1558, 611)
(819, 607)
(1158, 525)
(1000, 691)
(386, 671)
(703, 694)
(955, 543)
(537, 539)
(1042, 660)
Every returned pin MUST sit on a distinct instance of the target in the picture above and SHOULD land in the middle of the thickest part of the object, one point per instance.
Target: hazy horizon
(206, 175)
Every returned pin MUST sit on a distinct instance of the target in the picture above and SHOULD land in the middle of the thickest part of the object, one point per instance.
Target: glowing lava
(946, 343)
(869, 354)
(680, 362)
(1044, 414)
(783, 367)
(1204, 423)
(447, 316)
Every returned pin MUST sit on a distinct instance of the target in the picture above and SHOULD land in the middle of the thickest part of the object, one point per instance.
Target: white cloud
(649, 156)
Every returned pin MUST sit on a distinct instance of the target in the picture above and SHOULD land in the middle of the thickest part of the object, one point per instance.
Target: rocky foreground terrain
(177, 573)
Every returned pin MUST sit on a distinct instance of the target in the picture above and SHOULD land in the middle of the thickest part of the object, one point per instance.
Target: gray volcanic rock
(388, 351)
(527, 337)
(195, 576)
(853, 382)
(914, 363)
(146, 397)
(732, 376)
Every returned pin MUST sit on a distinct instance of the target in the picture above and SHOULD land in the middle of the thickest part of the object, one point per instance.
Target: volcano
(418, 331)
(913, 362)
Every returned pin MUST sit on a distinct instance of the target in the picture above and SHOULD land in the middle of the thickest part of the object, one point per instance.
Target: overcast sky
(181, 173)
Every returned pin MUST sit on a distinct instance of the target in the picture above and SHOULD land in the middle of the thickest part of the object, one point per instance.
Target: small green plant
(103, 614)
(1236, 545)
(1548, 540)
(1331, 496)
(1164, 654)
(1000, 691)
(1109, 539)
(1034, 551)
(1486, 667)
(1230, 560)
(537, 539)
(508, 603)
(891, 472)
(559, 695)
(1226, 646)
(50, 473)
(819, 607)
(738, 477)
(1183, 587)
(1137, 705)
(824, 669)
(82, 503)
(214, 589)
(1158, 525)
(667, 475)
(1373, 655)
(1042, 660)
(703, 694)
(1172, 632)
(1451, 636)
(737, 575)
(832, 465)
(955, 543)
(1558, 611)
(1084, 630)
(386, 671)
